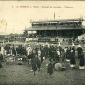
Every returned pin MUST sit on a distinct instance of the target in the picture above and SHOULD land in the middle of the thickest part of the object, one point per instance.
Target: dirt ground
(14, 74)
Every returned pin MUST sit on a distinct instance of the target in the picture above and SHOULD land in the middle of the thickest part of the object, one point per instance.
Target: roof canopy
(66, 24)
(58, 22)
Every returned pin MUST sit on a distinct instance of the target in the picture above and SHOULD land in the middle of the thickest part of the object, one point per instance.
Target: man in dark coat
(13, 51)
(79, 50)
(42, 53)
(68, 54)
(1, 59)
(36, 63)
(81, 63)
(51, 53)
(7, 48)
(46, 51)
(33, 63)
(72, 58)
(80, 57)
(50, 68)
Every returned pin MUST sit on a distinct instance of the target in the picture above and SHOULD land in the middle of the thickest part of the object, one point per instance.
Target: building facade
(51, 30)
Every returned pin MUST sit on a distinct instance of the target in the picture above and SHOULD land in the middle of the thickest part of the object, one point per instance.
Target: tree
(25, 33)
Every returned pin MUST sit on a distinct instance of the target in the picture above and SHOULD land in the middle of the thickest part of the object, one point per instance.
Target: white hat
(46, 43)
(73, 44)
(52, 44)
(43, 45)
(79, 45)
(59, 44)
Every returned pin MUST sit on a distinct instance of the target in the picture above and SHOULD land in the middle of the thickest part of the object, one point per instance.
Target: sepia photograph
(42, 43)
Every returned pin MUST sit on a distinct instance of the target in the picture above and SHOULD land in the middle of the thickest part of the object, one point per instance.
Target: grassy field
(22, 75)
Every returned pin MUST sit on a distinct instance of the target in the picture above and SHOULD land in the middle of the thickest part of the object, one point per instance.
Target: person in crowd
(82, 61)
(34, 62)
(63, 56)
(79, 51)
(66, 57)
(24, 58)
(68, 54)
(58, 55)
(18, 50)
(7, 48)
(50, 68)
(38, 62)
(42, 53)
(65, 52)
(1, 59)
(60, 48)
(28, 49)
(38, 59)
(2, 50)
(29, 57)
(51, 53)
(46, 51)
(39, 54)
(13, 50)
(72, 57)
(80, 57)
(36, 50)
(24, 52)
(21, 50)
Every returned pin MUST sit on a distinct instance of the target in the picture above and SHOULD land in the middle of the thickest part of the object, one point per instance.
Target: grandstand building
(52, 29)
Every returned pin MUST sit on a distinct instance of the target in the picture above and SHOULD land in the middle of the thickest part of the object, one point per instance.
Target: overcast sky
(15, 16)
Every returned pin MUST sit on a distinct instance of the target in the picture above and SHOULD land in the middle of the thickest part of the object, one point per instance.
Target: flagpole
(54, 15)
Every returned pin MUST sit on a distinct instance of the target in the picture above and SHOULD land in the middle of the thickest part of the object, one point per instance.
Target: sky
(15, 16)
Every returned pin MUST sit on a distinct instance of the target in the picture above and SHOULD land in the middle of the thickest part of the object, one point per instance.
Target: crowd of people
(58, 56)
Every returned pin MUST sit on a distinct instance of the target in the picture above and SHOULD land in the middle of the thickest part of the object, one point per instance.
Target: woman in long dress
(80, 57)
(72, 58)
(81, 61)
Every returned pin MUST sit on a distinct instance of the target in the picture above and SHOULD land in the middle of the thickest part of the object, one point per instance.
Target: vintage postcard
(42, 43)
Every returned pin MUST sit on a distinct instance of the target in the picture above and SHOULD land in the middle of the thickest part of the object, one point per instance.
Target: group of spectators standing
(57, 55)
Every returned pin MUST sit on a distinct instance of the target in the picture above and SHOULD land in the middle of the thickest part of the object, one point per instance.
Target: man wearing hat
(79, 50)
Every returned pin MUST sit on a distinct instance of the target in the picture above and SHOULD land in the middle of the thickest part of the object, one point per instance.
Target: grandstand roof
(66, 24)
(61, 20)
